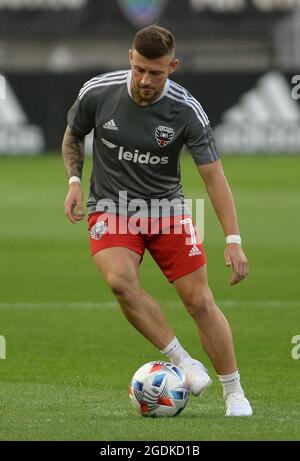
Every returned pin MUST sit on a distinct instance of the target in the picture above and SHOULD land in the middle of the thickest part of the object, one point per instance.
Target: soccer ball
(159, 389)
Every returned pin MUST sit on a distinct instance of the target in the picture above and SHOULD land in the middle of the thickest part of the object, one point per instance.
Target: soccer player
(141, 120)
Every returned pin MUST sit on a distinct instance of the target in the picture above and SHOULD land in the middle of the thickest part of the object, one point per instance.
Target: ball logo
(164, 135)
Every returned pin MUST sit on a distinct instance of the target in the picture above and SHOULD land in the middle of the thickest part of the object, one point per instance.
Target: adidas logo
(110, 125)
(266, 119)
(17, 134)
(195, 251)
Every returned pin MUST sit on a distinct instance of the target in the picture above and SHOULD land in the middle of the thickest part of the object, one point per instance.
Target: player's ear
(173, 65)
(130, 55)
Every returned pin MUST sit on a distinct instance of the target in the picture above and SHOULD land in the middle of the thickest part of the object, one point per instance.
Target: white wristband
(234, 239)
(74, 179)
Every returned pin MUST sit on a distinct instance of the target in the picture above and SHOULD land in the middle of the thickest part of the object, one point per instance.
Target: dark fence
(236, 103)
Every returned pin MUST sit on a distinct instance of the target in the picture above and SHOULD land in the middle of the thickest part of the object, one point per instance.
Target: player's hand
(235, 257)
(74, 203)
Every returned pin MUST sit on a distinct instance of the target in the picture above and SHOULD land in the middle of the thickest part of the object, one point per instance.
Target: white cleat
(237, 405)
(196, 375)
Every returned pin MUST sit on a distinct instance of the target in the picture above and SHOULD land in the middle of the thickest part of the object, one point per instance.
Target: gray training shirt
(136, 148)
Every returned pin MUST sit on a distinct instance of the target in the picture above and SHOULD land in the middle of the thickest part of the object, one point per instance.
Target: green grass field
(71, 354)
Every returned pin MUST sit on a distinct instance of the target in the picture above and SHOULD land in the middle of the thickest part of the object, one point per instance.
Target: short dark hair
(154, 42)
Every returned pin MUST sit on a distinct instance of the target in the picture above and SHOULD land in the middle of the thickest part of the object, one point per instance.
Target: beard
(146, 93)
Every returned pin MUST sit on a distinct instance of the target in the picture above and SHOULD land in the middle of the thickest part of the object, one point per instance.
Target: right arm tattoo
(73, 152)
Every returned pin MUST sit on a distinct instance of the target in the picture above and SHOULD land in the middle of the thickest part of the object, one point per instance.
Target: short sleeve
(200, 141)
(81, 116)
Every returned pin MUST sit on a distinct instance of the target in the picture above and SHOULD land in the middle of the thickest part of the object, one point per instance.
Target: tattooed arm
(73, 152)
(73, 156)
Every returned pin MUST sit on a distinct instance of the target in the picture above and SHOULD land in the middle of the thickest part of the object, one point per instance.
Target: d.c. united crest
(99, 229)
(164, 135)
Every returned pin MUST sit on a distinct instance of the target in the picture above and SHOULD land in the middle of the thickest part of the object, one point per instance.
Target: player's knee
(121, 286)
(199, 303)
(117, 284)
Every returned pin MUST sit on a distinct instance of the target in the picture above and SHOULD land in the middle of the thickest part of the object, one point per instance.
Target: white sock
(231, 384)
(175, 352)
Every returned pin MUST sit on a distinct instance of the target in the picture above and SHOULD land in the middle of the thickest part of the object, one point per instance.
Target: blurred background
(70, 354)
(240, 58)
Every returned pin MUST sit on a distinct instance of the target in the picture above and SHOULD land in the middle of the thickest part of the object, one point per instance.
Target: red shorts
(173, 242)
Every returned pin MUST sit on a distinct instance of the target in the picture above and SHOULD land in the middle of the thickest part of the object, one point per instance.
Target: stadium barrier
(250, 112)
